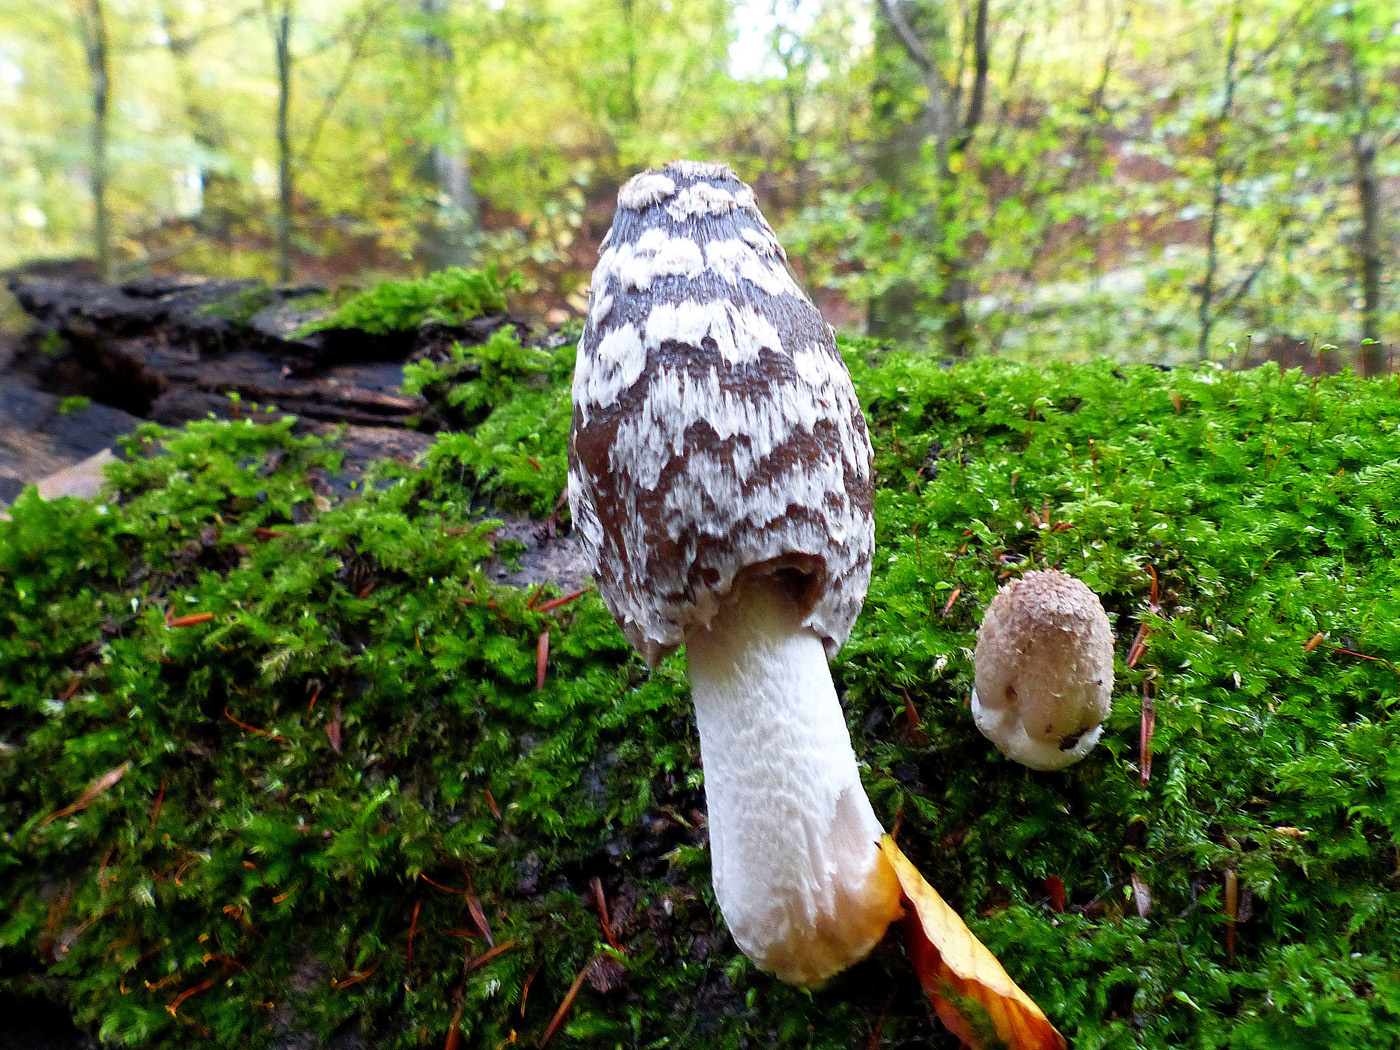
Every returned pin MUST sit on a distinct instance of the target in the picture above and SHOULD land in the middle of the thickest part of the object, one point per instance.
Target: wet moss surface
(273, 769)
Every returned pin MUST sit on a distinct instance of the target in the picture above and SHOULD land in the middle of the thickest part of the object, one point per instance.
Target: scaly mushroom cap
(1044, 670)
(716, 433)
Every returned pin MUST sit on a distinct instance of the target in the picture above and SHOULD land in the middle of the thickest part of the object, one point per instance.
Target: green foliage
(1177, 178)
(451, 296)
(361, 702)
(74, 403)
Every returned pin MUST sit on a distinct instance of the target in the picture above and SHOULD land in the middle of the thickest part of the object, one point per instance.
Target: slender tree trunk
(958, 336)
(280, 22)
(96, 43)
(1369, 249)
(1205, 312)
(1363, 156)
(206, 127)
(455, 235)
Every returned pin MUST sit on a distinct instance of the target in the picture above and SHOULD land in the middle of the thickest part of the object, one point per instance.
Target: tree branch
(909, 39)
(983, 61)
(1243, 287)
(939, 108)
(332, 97)
(180, 45)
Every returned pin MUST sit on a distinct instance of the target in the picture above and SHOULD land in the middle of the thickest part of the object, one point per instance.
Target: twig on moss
(569, 997)
(253, 729)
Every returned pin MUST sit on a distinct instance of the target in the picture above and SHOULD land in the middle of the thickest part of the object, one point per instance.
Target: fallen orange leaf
(973, 995)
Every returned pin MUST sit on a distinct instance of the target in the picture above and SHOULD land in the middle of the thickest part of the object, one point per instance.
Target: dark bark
(981, 67)
(172, 350)
(1369, 251)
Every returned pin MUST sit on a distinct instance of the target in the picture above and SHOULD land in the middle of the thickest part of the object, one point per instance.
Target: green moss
(451, 296)
(242, 306)
(361, 704)
(515, 412)
(475, 381)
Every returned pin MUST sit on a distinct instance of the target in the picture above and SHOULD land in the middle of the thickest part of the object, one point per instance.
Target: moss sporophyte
(323, 771)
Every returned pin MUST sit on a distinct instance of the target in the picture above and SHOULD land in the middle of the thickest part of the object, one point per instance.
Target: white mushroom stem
(793, 839)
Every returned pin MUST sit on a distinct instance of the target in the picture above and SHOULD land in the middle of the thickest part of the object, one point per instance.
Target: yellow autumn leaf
(973, 995)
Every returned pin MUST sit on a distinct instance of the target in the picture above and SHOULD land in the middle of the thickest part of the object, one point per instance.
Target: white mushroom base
(793, 839)
(1004, 727)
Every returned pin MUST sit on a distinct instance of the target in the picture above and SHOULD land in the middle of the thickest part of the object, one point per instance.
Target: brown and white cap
(716, 433)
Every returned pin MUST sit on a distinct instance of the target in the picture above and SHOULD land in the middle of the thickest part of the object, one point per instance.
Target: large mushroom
(720, 479)
(1044, 670)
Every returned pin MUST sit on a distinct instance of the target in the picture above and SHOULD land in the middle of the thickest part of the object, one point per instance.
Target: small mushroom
(1044, 670)
(720, 477)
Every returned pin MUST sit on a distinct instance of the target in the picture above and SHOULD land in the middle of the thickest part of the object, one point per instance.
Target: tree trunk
(920, 29)
(281, 25)
(1368, 249)
(1206, 314)
(96, 43)
(455, 233)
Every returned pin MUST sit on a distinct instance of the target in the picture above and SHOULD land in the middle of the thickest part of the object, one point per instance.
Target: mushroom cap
(1044, 670)
(716, 433)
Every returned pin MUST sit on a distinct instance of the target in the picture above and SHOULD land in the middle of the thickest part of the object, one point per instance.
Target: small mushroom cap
(716, 433)
(1044, 670)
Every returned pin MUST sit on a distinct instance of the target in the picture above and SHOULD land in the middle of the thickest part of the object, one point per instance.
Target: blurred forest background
(1156, 180)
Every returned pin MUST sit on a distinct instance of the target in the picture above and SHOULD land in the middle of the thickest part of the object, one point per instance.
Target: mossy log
(278, 773)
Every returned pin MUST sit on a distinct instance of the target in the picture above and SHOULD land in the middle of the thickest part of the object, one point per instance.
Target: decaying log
(174, 348)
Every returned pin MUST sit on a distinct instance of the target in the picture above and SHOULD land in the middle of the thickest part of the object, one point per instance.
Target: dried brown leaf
(558, 1020)
(1149, 726)
(479, 917)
